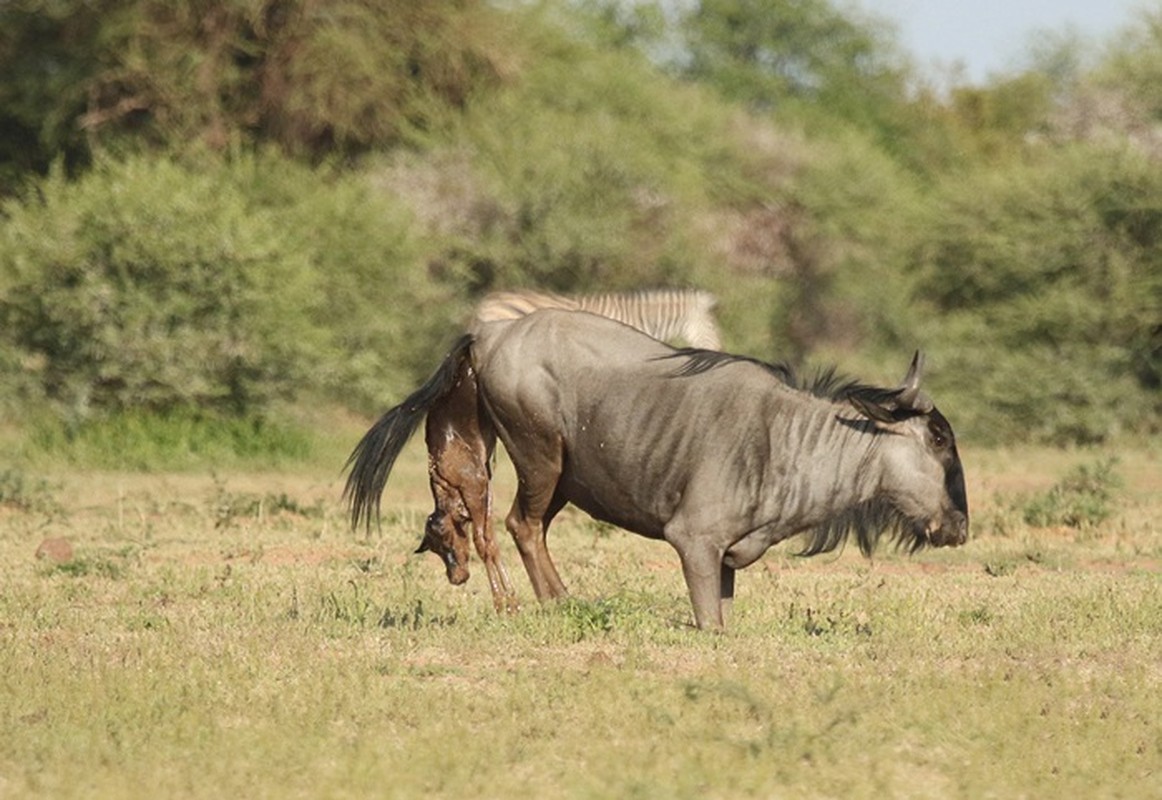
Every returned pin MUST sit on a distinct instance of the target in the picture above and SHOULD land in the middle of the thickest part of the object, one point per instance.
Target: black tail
(372, 459)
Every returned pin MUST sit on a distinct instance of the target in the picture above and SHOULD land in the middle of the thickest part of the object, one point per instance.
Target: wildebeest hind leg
(535, 504)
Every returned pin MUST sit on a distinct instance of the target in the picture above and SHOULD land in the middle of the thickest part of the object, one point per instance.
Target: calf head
(922, 479)
(446, 535)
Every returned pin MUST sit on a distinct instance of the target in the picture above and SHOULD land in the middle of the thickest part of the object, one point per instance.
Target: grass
(225, 634)
(180, 439)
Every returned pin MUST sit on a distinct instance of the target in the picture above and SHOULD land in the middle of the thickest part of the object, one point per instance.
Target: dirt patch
(55, 550)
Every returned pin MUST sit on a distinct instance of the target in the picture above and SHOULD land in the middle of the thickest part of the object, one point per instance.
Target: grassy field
(226, 635)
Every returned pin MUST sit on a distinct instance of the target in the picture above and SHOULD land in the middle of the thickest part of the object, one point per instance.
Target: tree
(152, 285)
(318, 78)
(780, 53)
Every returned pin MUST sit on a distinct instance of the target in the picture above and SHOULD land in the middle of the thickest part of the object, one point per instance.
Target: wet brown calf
(460, 443)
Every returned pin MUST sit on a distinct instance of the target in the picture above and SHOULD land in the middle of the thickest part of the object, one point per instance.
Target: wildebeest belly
(632, 463)
(616, 505)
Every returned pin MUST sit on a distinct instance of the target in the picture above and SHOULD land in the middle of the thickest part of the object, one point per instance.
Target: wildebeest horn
(910, 395)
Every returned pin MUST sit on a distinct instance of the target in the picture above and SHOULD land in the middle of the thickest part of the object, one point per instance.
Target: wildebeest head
(445, 534)
(922, 479)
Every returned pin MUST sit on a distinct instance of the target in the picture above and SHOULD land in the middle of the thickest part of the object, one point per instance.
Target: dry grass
(229, 636)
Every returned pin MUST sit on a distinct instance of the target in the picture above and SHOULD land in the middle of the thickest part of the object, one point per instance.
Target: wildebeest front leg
(727, 590)
(703, 569)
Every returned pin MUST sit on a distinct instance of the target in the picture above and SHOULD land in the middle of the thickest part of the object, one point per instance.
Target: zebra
(665, 314)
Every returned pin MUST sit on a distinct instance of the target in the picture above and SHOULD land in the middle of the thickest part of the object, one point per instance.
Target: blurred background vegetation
(217, 211)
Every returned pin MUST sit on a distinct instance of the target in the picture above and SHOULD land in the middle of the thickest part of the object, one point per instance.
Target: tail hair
(371, 461)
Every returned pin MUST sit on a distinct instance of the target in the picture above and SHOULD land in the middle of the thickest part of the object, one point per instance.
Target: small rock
(58, 550)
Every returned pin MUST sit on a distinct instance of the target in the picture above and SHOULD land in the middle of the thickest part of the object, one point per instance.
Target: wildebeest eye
(939, 435)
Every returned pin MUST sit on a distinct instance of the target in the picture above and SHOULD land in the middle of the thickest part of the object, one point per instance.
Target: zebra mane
(664, 314)
(825, 383)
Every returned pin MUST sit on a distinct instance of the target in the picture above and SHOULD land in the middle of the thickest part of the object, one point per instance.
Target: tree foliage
(148, 285)
(794, 56)
(1134, 64)
(316, 77)
(157, 284)
(1050, 271)
(223, 202)
(587, 176)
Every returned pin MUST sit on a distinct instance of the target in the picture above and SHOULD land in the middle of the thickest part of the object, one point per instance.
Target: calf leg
(479, 503)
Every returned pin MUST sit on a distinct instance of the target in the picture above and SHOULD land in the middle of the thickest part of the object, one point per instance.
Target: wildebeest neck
(822, 470)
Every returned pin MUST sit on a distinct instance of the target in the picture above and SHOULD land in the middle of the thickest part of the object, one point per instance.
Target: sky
(990, 36)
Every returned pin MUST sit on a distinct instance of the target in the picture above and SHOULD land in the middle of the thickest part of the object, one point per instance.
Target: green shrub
(848, 227)
(343, 78)
(385, 319)
(1046, 288)
(1083, 498)
(587, 176)
(149, 284)
(160, 285)
(19, 491)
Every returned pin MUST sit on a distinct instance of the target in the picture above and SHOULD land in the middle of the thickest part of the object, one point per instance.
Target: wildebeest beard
(868, 522)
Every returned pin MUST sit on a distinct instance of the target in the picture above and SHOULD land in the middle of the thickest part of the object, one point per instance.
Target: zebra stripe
(685, 315)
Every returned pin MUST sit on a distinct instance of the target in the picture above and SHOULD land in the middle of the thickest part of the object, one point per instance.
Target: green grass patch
(181, 439)
(24, 493)
(282, 655)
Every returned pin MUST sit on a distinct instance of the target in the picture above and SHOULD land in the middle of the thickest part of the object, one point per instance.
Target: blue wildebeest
(460, 440)
(719, 455)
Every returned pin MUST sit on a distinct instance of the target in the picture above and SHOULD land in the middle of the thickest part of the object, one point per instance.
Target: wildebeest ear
(905, 402)
(877, 412)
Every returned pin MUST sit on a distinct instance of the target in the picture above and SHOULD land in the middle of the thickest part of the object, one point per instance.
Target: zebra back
(666, 314)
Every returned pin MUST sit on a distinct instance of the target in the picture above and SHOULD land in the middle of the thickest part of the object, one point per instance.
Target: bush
(384, 316)
(160, 285)
(22, 493)
(847, 237)
(1046, 289)
(1083, 498)
(316, 79)
(149, 284)
(587, 175)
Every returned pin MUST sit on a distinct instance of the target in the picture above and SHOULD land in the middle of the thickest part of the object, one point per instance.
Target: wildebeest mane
(826, 383)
